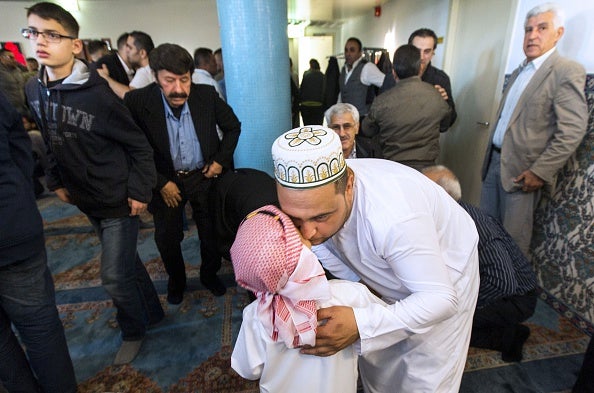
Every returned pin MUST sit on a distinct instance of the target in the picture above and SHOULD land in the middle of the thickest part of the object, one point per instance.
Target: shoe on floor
(127, 352)
(175, 297)
(214, 285)
(514, 352)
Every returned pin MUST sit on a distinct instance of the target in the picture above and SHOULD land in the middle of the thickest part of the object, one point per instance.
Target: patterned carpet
(189, 350)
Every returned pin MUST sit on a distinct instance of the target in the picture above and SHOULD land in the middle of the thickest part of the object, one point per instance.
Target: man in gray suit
(542, 119)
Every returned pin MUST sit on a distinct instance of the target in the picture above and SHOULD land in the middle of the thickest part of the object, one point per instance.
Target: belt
(495, 148)
(187, 172)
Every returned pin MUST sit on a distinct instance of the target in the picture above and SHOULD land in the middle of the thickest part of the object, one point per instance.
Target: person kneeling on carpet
(271, 259)
(507, 295)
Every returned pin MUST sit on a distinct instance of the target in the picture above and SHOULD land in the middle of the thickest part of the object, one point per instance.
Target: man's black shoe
(175, 297)
(214, 285)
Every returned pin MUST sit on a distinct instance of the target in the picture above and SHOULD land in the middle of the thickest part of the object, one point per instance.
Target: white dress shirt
(203, 77)
(527, 71)
(370, 74)
(143, 77)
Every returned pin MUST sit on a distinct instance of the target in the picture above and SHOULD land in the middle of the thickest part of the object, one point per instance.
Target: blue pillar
(256, 57)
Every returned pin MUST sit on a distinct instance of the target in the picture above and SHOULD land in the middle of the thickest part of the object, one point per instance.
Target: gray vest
(354, 92)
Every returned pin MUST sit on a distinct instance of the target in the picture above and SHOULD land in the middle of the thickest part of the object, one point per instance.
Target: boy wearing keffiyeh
(270, 258)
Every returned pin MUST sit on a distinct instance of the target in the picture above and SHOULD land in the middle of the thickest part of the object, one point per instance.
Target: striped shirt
(503, 268)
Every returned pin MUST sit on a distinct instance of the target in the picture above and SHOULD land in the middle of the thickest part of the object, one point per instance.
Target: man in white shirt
(356, 76)
(406, 239)
(206, 69)
(542, 119)
(116, 62)
(138, 47)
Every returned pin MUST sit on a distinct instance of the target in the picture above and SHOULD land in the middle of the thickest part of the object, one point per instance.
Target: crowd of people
(422, 274)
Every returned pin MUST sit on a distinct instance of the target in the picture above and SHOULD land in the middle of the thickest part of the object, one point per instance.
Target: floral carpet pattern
(189, 351)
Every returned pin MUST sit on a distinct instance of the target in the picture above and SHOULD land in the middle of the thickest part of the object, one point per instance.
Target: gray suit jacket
(547, 124)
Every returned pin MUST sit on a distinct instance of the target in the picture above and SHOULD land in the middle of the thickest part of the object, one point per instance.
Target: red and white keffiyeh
(270, 259)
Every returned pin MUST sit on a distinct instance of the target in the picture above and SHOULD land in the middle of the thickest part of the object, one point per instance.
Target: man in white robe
(406, 239)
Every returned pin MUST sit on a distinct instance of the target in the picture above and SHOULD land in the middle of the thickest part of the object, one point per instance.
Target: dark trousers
(585, 381)
(194, 188)
(312, 115)
(494, 326)
(27, 300)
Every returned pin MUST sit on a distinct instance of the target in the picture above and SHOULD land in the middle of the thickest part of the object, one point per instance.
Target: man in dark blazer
(541, 121)
(180, 119)
(117, 62)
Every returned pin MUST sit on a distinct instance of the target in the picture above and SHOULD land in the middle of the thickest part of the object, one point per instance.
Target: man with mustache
(180, 120)
(344, 120)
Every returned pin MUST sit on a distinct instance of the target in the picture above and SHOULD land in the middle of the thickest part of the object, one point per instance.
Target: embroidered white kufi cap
(308, 157)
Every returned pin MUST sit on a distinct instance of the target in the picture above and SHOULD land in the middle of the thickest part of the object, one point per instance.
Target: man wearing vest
(356, 77)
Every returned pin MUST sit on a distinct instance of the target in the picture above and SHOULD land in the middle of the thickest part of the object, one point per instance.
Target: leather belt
(495, 148)
(185, 172)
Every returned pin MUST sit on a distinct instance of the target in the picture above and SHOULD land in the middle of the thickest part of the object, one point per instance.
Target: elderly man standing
(541, 121)
(344, 120)
(180, 120)
(406, 239)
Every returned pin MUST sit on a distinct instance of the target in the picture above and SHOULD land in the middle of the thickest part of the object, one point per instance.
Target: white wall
(577, 42)
(189, 23)
(398, 20)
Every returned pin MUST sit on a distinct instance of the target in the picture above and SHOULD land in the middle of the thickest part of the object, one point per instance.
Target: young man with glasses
(99, 160)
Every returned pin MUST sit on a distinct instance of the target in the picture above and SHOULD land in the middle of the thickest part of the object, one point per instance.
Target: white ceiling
(330, 10)
(315, 10)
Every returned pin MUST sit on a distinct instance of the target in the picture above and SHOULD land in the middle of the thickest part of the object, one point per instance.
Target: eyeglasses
(345, 126)
(50, 36)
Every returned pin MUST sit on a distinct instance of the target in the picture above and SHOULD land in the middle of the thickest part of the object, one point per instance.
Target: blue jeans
(27, 300)
(124, 276)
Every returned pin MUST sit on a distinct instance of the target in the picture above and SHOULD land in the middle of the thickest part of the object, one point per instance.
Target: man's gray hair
(446, 179)
(558, 14)
(340, 109)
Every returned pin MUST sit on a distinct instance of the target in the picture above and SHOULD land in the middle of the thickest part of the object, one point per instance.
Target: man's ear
(77, 46)
(560, 31)
(143, 53)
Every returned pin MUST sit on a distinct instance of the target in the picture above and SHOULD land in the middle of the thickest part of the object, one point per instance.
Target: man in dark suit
(426, 40)
(116, 62)
(344, 120)
(542, 119)
(180, 119)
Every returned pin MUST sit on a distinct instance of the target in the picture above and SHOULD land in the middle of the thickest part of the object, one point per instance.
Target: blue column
(256, 57)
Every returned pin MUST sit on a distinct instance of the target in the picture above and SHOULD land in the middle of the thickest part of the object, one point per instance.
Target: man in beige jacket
(542, 119)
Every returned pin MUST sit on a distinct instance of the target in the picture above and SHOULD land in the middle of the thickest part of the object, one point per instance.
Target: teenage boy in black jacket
(27, 297)
(99, 161)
